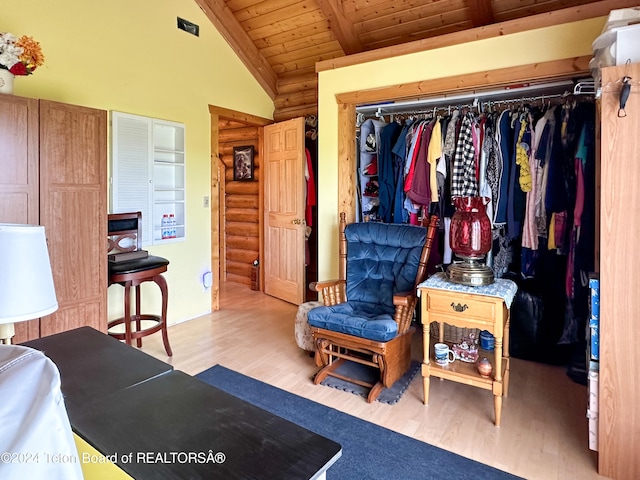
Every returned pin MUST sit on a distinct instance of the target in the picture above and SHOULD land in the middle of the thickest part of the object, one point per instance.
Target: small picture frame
(243, 163)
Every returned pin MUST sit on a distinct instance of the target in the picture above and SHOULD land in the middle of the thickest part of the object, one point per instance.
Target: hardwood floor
(544, 428)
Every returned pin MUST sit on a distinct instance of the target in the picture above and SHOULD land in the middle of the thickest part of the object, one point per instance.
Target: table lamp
(470, 239)
(26, 282)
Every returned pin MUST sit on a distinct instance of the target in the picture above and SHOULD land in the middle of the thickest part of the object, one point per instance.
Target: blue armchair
(367, 313)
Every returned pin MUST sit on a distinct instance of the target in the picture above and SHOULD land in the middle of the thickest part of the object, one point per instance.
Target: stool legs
(128, 319)
(162, 283)
(138, 313)
(127, 313)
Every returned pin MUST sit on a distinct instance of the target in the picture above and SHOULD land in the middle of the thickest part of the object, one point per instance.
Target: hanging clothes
(400, 150)
(493, 168)
(463, 175)
(420, 187)
(386, 171)
(516, 197)
(504, 136)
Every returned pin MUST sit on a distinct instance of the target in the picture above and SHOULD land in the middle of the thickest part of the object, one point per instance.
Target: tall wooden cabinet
(619, 387)
(53, 159)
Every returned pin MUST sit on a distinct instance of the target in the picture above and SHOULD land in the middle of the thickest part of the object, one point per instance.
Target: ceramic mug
(444, 355)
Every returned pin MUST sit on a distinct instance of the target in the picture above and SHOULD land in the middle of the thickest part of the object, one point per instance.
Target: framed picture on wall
(243, 163)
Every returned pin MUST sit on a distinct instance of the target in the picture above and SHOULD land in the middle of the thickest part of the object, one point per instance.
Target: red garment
(420, 191)
(311, 191)
(409, 179)
(560, 219)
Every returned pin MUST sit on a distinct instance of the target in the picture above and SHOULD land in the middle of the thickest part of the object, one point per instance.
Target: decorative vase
(484, 367)
(6, 81)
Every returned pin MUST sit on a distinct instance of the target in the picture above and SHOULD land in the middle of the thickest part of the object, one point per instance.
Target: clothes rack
(474, 99)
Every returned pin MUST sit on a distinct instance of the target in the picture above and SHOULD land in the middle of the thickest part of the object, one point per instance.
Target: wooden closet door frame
(347, 103)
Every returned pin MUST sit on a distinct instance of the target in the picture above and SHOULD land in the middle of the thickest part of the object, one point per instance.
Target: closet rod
(396, 107)
(477, 105)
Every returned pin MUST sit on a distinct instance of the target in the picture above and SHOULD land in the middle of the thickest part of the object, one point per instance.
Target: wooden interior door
(284, 197)
(73, 210)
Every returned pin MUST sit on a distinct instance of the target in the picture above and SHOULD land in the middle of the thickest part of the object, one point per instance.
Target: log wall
(241, 227)
(297, 97)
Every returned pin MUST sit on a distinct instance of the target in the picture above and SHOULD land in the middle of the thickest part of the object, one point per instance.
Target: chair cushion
(137, 265)
(382, 260)
(356, 318)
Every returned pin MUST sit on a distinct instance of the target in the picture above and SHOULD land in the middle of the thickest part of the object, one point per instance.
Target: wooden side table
(486, 308)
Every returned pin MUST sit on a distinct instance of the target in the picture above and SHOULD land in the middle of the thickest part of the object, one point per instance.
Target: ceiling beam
(481, 12)
(341, 26)
(225, 22)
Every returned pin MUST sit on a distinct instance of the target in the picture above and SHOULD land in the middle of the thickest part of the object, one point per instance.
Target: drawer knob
(459, 308)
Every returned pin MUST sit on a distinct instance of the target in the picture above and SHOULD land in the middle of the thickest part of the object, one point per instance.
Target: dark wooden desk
(162, 424)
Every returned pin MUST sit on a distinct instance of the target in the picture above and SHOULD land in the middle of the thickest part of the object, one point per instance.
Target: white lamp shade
(26, 283)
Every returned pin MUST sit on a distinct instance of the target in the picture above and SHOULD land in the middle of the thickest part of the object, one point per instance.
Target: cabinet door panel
(18, 160)
(73, 210)
(70, 317)
(19, 175)
(619, 390)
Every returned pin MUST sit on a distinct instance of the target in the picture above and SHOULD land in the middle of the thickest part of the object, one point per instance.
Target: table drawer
(462, 305)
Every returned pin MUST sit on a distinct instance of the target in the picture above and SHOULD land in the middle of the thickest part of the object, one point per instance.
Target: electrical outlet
(205, 202)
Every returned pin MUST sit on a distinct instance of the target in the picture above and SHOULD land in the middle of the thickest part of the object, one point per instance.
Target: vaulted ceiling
(281, 41)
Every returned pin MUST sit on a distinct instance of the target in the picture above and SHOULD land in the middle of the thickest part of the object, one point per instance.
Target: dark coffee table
(157, 423)
(176, 426)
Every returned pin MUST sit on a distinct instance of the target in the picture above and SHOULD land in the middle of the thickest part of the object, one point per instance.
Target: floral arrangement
(21, 56)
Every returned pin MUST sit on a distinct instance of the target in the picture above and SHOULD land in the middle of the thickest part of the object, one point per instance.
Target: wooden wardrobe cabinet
(619, 387)
(53, 159)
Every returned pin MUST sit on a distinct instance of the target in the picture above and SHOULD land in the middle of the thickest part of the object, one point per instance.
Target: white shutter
(132, 147)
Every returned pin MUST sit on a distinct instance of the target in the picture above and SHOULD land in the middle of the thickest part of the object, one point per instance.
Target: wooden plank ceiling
(280, 41)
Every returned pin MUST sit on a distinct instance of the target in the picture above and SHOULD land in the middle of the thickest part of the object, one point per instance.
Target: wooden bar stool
(130, 266)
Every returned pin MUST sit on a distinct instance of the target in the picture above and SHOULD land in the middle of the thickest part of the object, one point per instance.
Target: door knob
(296, 221)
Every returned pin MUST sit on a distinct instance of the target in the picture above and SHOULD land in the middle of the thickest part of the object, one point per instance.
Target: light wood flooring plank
(544, 429)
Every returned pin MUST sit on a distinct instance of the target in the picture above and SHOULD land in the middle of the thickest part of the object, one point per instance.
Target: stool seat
(137, 265)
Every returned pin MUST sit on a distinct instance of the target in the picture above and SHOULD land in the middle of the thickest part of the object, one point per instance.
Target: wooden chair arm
(405, 304)
(403, 298)
(333, 291)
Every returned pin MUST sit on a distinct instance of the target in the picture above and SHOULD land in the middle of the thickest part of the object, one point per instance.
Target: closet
(54, 159)
(518, 149)
(617, 163)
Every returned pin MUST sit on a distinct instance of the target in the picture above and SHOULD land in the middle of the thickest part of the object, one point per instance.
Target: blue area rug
(371, 375)
(369, 452)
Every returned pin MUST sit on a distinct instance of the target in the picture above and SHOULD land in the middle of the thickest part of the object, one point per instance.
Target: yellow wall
(541, 45)
(129, 56)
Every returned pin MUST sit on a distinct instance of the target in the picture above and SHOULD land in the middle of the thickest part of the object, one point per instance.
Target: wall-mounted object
(207, 280)
(188, 27)
(243, 163)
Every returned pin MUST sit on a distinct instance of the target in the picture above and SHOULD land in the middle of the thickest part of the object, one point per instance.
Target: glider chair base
(392, 358)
